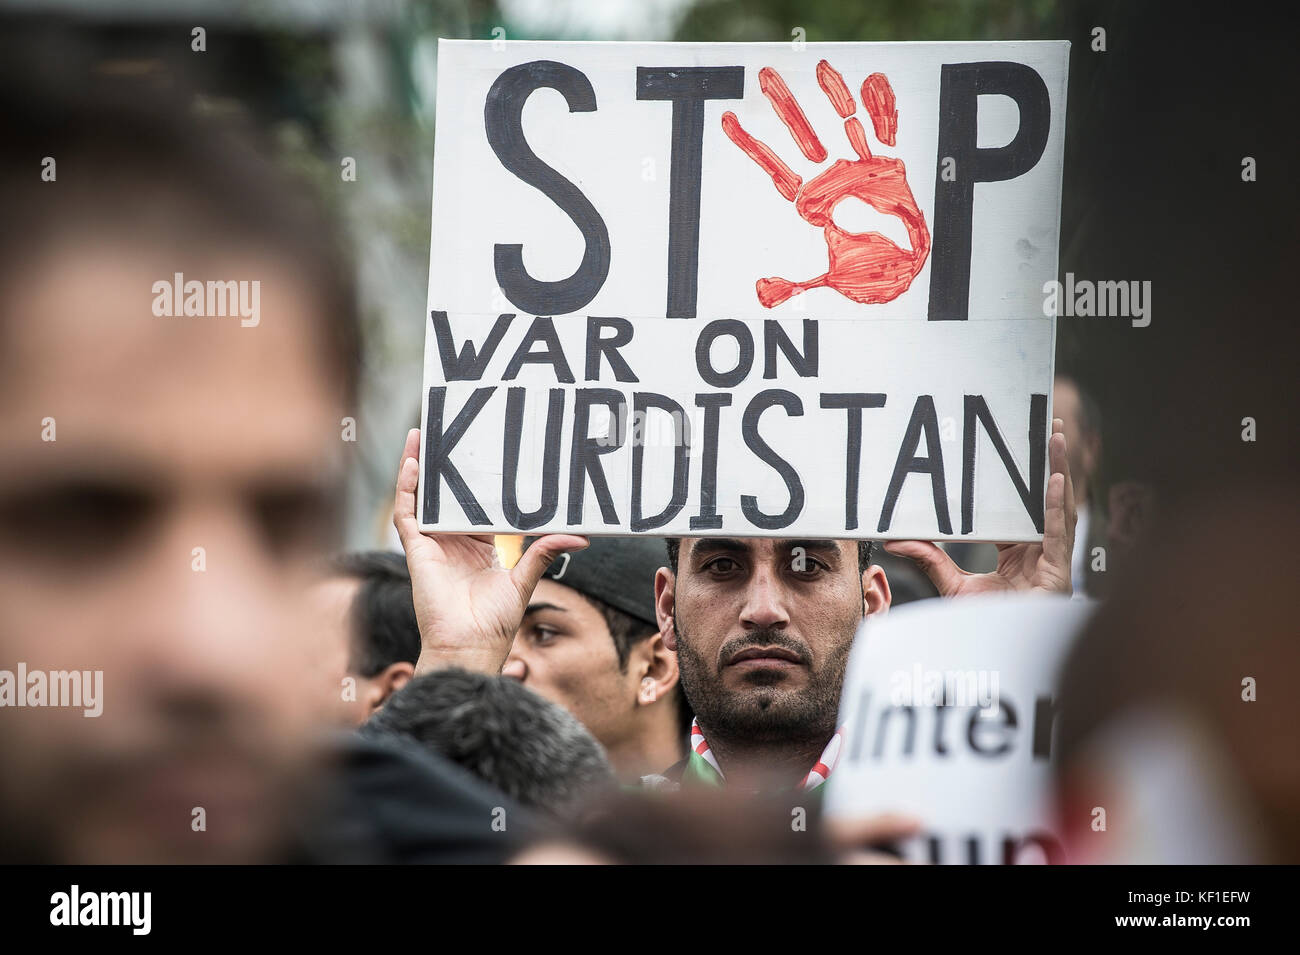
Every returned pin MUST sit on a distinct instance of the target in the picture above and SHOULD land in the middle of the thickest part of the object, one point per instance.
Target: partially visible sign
(950, 713)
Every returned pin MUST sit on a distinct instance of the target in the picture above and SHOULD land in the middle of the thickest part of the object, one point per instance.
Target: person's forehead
(164, 392)
(336, 592)
(763, 546)
(553, 595)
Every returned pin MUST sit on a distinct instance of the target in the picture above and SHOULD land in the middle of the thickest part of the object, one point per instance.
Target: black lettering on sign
(708, 518)
(774, 338)
(853, 403)
(687, 87)
(608, 347)
(1031, 495)
(642, 402)
(924, 420)
(437, 451)
(469, 363)
(749, 431)
(704, 358)
(503, 119)
(542, 332)
(960, 86)
(999, 734)
(584, 458)
(514, 430)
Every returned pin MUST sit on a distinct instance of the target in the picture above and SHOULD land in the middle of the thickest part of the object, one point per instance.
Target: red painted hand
(866, 267)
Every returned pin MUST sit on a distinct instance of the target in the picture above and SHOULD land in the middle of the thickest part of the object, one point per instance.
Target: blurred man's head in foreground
(167, 481)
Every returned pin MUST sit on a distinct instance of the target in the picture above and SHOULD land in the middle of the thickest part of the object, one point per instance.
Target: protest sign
(949, 712)
(742, 289)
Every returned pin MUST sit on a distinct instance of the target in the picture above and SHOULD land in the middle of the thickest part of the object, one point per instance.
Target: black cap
(619, 571)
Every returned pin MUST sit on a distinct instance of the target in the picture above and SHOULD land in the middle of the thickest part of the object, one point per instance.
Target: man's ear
(665, 600)
(387, 682)
(875, 590)
(652, 660)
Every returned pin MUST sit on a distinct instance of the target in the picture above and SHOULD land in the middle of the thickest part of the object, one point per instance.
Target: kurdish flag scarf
(703, 767)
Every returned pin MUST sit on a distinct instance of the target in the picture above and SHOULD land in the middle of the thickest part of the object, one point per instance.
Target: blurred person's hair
(533, 750)
(138, 164)
(383, 624)
(701, 827)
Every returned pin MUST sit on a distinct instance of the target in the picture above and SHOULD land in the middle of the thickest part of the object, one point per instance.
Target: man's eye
(807, 567)
(65, 523)
(544, 635)
(722, 565)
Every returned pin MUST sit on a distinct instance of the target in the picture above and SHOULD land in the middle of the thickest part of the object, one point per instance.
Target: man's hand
(468, 606)
(1044, 566)
(857, 839)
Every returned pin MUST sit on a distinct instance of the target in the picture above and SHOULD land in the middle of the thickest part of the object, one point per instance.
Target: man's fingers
(408, 479)
(933, 561)
(1063, 459)
(1058, 537)
(528, 571)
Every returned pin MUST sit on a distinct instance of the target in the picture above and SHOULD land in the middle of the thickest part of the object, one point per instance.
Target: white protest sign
(691, 289)
(949, 715)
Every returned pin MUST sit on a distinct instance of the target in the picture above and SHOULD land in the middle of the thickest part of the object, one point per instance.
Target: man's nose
(221, 611)
(765, 602)
(516, 667)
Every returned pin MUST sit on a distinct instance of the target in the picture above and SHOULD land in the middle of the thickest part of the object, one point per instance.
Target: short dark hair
(675, 543)
(384, 628)
(140, 163)
(625, 630)
(531, 749)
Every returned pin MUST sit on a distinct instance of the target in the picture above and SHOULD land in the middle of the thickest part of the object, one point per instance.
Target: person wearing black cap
(589, 641)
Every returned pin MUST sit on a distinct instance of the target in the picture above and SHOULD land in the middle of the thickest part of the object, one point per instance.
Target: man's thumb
(534, 561)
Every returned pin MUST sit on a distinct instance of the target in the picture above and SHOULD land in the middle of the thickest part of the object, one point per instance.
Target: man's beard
(764, 711)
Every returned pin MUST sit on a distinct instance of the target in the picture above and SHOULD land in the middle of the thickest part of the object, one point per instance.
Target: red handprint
(866, 267)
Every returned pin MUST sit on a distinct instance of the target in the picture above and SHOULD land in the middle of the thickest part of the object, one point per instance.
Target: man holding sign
(760, 422)
(762, 627)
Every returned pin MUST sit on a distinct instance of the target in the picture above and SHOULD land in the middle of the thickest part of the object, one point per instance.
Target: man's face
(564, 651)
(763, 629)
(332, 600)
(166, 538)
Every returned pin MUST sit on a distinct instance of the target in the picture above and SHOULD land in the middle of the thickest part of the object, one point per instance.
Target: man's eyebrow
(716, 545)
(535, 608)
(812, 545)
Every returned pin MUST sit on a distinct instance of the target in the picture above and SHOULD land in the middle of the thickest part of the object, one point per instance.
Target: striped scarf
(703, 765)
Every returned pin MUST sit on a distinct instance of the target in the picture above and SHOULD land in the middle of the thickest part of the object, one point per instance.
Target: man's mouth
(766, 656)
